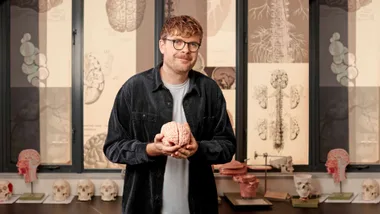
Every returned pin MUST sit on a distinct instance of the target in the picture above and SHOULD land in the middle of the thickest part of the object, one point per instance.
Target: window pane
(278, 80)
(349, 81)
(217, 56)
(118, 43)
(41, 79)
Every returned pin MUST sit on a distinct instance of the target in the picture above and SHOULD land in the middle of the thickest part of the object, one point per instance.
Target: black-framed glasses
(179, 44)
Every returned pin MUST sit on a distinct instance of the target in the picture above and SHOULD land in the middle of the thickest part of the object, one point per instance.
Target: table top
(97, 206)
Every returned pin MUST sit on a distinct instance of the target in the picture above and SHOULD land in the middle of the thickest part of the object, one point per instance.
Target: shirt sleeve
(120, 146)
(221, 148)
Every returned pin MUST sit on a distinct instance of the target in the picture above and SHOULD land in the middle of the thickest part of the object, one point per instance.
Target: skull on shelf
(61, 190)
(283, 163)
(303, 185)
(6, 190)
(86, 189)
(109, 190)
(370, 189)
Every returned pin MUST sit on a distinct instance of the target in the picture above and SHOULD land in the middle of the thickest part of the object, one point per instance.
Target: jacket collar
(157, 81)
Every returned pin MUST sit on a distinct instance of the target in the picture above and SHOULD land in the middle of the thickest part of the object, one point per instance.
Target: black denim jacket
(142, 106)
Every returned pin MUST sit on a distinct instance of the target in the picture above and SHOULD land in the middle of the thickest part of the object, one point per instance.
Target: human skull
(370, 189)
(109, 190)
(6, 190)
(86, 189)
(284, 163)
(61, 190)
(303, 185)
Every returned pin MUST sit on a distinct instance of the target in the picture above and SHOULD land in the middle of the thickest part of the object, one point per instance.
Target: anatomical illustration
(225, 77)
(278, 31)
(344, 62)
(35, 63)
(217, 12)
(40, 6)
(276, 126)
(94, 157)
(93, 79)
(125, 15)
(348, 5)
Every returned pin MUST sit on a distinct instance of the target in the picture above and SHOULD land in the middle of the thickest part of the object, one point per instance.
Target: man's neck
(171, 77)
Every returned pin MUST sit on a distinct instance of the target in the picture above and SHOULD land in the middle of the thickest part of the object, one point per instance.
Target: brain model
(175, 133)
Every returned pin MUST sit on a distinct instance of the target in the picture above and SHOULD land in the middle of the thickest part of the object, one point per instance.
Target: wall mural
(216, 57)
(125, 29)
(278, 79)
(352, 83)
(40, 80)
(278, 31)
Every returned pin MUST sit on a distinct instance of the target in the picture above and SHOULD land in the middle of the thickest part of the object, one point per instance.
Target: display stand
(271, 195)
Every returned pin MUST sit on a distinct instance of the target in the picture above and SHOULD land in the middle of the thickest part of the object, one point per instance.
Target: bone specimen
(34, 65)
(217, 12)
(125, 15)
(94, 157)
(93, 79)
(278, 43)
(348, 5)
(277, 128)
(176, 133)
(344, 62)
(225, 77)
(40, 6)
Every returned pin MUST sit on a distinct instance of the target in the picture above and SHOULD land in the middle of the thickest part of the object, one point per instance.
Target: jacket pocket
(144, 126)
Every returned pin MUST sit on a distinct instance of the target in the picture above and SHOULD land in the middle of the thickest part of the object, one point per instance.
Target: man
(170, 179)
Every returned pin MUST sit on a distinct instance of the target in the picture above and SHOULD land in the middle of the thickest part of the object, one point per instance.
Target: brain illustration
(176, 133)
(40, 6)
(125, 15)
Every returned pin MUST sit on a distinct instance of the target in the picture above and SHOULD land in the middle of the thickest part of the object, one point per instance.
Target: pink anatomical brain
(175, 133)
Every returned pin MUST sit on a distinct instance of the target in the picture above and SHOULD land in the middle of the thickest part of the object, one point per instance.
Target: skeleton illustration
(40, 6)
(344, 62)
(86, 189)
(277, 127)
(28, 161)
(370, 189)
(348, 5)
(61, 190)
(283, 163)
(337, 160)
(6, 190)
(125, 15)
(35, 63)
(93, 79)
(302, 182)
(109, 190)
(278, 43)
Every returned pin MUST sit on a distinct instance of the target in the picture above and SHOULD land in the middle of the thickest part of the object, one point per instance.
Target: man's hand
(189, 149)
(158, 148)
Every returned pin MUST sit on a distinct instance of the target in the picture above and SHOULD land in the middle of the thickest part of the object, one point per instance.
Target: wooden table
(96, 206)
